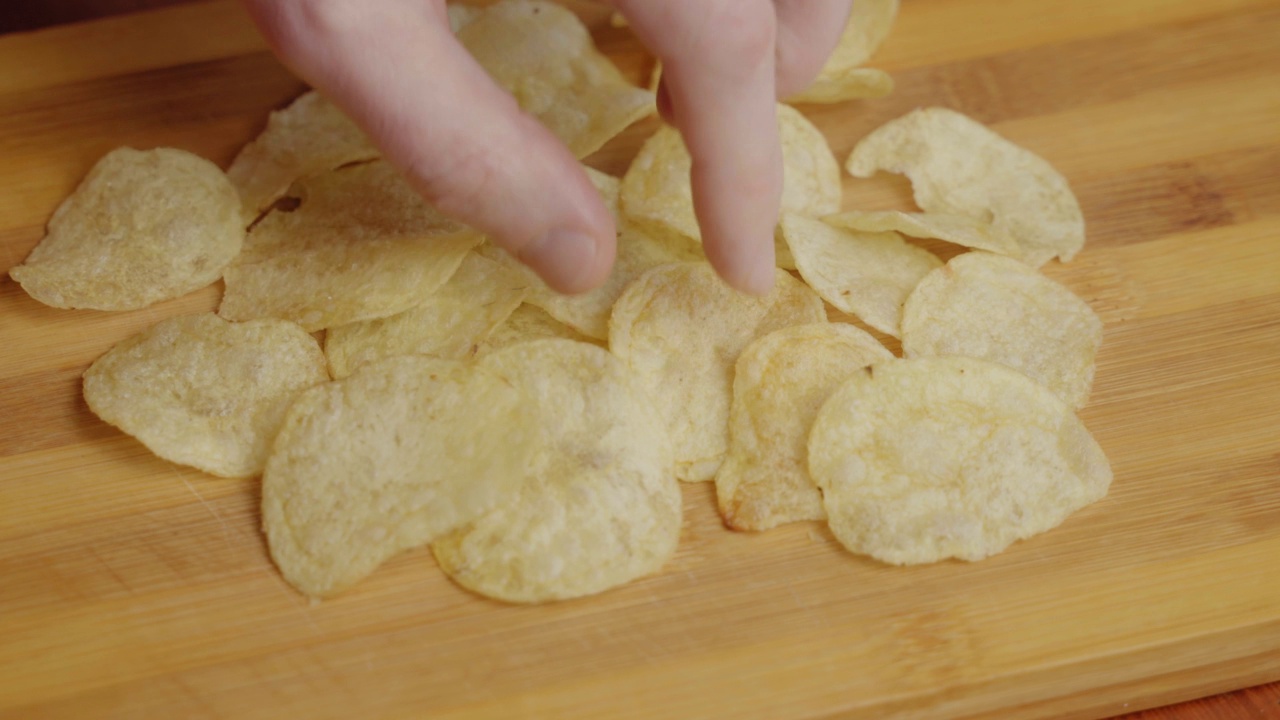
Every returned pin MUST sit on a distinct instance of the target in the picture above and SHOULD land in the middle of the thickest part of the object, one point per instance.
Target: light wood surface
(130, 587)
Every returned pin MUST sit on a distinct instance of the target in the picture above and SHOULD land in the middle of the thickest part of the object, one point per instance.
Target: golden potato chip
(658, 197)
(843, 78)
(637, 251)
(599, 509)
(996, 308)
(847, 84)
(362, 245)
(200, 391)
(680, 329)
(955, 229)
(527, 323)
(779, 383)
(388, 459)
(959, 167)
(450, 324)
(934, 458)
(543, 55)
(866, 274)
(309, 137)
(142, 227)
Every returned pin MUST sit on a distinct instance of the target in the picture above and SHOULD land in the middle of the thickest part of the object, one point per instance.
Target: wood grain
(132, 587)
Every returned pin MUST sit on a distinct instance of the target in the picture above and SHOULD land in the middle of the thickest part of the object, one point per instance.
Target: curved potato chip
(848, 84)
(526, 323)
(959, 167)
(200, 391)
(842, 78)
(601, 509)
(954, 229)
(306, 138)
(450, 324)
(142, 227)
(867, 274)
(657, 194)
(779, 383)
(362, 245)
(995, 308)
(543, 55)
(680, 329)
(388, 459)
(922, 460)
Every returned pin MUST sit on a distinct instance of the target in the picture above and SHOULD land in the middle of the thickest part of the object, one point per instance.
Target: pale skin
(396, 69)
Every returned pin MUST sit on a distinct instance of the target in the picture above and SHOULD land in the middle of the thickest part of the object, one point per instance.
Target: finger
(718, 73)
(808, 30)
(396, 68)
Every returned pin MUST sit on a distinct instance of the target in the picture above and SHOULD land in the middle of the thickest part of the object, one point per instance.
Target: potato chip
(934, 458)
(955, 229)
(601, 508)
(995, 308)
(450, 324)
(527, 323)
(847, 84)
(307, 138)
(200, 391)
(779, 383)
(637, 251)
(388, 459)
(362, 245)
(142, 227)
(843, 78)
(543, 55)
(658, 197)
(959, 167)
(680, 329)
(866, 274)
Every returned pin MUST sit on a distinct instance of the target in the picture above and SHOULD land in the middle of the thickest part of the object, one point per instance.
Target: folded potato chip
(996, 308)
(867, 274)
(599, 509)
(143, 226)
(843, 77)
(955, 229)
(543, 55)
(451, 324)
(637, 251)
(529, 322)
(923, 460)
(959, 167)
(680, 329)
(779, 383)
(658, 197)
(307, 138)
(200, 391)
(388, 459)
(362, 245)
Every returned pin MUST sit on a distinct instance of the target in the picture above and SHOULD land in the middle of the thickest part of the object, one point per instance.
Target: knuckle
(456, 179)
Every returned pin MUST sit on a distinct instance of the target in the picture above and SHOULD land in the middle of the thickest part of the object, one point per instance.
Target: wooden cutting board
(130, 587)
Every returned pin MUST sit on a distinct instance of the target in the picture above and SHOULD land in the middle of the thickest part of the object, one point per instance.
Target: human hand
(396, 69)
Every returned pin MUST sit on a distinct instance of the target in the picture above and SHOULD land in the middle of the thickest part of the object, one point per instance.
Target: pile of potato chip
(535, 441)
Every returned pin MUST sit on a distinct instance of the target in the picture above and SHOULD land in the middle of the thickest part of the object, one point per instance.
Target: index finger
(719, 72)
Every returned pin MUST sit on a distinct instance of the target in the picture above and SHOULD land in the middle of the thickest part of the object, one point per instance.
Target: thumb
(395, 67)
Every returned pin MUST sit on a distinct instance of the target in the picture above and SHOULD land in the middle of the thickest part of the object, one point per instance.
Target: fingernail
(562, 258)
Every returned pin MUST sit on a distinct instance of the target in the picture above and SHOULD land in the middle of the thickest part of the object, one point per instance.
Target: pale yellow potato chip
(309, 137)
(637, 251)
(388, 459)
(955, 229)
(529, 323)
(543, 55)
(867, 274)
(362, 245)
(600, 508)
(934, 458)
(843, 77)
(680, 329)
(996, 308)
(779, 383)
(959, 167)
(451, 324)
(857, 83)
(658, 197)
(200, 391)
(143, 226)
